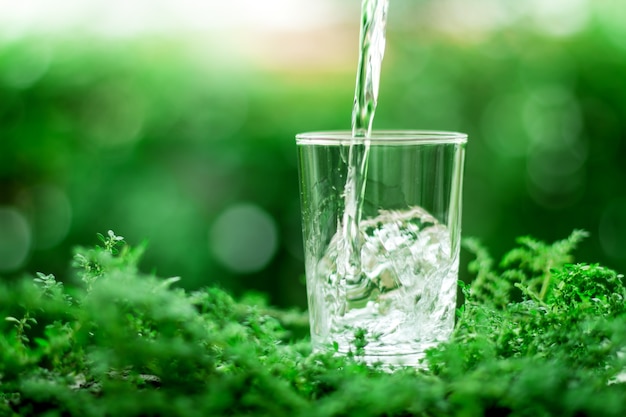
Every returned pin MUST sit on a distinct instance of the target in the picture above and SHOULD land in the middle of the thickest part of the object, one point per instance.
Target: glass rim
(381, 137)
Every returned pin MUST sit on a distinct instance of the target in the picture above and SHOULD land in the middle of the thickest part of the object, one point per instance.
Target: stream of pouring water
(371, 51)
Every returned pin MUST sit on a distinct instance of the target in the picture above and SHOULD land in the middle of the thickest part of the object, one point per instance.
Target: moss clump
(537, 336)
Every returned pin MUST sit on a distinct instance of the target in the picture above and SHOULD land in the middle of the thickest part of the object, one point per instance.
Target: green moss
(536, 336)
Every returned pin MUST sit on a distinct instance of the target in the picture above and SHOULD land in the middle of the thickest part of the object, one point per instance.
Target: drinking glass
(406, 241)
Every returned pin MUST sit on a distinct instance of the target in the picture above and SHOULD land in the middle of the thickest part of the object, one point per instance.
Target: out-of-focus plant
(199, 158)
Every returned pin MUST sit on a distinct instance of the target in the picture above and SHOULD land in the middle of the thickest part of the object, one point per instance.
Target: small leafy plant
(536, 336)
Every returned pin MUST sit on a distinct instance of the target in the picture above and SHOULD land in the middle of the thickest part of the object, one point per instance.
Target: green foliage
(159, 135)
(538, 336)
(565, 312)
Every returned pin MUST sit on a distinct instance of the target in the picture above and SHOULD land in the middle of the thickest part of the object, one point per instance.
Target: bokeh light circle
(15, 239)
(49, 213)
(244, 238)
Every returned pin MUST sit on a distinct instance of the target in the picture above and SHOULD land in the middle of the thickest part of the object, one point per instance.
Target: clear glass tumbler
(402, 299)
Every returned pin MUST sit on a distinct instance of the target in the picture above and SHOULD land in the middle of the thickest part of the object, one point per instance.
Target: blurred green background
(179, 129)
